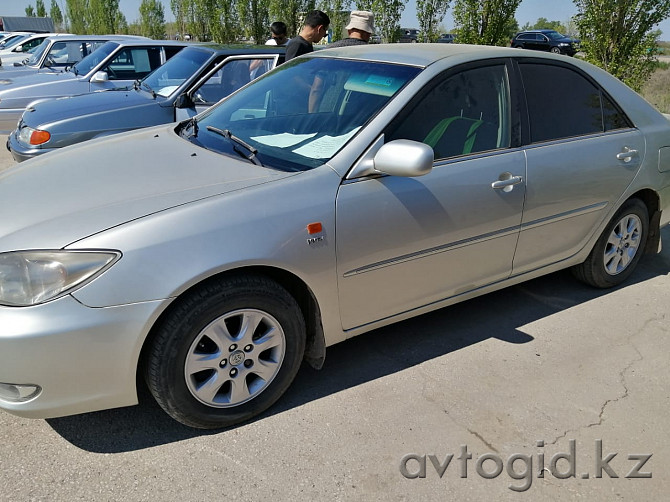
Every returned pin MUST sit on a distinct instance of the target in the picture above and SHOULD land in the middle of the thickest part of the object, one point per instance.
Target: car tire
(618, 249)
(518, 46)
(207, 370)
(555, 50)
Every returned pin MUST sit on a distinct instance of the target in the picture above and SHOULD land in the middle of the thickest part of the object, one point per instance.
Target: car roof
(66, 38)
(147, 41)
(538, 31)
(420, 55)
(229, 49)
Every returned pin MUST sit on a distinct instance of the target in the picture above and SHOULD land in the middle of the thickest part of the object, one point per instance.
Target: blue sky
(528, 11)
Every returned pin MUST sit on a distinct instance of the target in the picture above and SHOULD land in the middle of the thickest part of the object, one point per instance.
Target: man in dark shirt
(360, 28)
(314, 29)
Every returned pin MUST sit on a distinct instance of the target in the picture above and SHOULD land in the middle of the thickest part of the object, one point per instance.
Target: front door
(403, 243)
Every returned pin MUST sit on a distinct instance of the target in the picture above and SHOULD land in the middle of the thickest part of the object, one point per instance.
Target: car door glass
(561, 102)
(134, 63)
(230, 77)
(464, 113)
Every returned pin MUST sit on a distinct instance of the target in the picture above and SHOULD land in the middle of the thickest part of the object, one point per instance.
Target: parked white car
(21, 51)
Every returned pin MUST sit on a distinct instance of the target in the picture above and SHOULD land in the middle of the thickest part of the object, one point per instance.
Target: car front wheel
(618, 249)
(555, 50)
(226, 352)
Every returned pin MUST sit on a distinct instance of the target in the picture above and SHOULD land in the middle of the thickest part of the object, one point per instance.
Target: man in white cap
(360, 28)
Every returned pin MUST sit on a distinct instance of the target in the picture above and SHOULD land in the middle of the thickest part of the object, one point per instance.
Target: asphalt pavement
(549, 390)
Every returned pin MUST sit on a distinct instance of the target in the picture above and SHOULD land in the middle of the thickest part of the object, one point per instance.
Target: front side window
(464, 113)
(234, 74)
(290, 125)
(562, 103)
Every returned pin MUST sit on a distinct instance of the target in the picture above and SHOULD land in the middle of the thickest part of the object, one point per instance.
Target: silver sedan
(345, 190)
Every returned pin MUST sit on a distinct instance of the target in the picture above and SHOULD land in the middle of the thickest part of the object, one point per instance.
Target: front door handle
(507, 182)
(627, 154)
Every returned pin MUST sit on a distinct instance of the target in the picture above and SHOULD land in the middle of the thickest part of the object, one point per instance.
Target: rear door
(582, 153)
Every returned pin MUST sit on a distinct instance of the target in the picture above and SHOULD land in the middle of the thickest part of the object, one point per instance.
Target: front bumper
(20, 152)
(84, 359)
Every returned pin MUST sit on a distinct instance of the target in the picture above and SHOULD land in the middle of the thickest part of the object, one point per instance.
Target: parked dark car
(545, 40)
(187, 84)
(446, 38)
(408, 35)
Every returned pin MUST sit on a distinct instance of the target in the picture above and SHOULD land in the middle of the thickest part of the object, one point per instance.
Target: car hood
(59, 198)
(61, 109)
(31, 81)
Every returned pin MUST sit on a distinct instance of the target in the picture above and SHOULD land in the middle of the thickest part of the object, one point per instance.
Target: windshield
(179, 68)
(94, 59)
(36, 53)
(297, 117)
(12, 41)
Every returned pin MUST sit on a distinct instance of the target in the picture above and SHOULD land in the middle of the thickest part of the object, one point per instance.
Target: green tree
(290, 12)
(77, 14)
(618, 36)
(543, 23)
(387, 16)
(30, 11)
(57, 15)
(430, 14)
(152, 19)
(338, 12)
(105, 16)
(255, 18)
(40, 10)
(484, 22)
(225, 26)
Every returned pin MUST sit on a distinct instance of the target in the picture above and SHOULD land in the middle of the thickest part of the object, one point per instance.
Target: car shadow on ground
(368, 357)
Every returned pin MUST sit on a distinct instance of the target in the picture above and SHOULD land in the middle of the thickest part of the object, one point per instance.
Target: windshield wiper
(227, 134)
(153, 93)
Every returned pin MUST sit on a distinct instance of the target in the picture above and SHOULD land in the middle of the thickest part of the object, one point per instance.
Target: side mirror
(99, 77)
(404, 157)
(184, 101)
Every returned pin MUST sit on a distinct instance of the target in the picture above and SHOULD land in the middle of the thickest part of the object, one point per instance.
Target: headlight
(563, 44)
(30, 136)
(33, 277)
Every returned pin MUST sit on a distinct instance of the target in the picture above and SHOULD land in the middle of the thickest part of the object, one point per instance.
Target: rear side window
(562, 104)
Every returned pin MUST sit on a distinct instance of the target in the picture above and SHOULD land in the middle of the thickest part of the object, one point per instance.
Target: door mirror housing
(405, 158)
(99, 77)
(184, 101)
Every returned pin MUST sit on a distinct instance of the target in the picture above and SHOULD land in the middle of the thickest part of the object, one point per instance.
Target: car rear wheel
(618, 249)
(226, 352)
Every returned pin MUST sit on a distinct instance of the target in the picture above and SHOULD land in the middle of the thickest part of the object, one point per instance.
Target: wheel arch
(651, 200)
(315, 348)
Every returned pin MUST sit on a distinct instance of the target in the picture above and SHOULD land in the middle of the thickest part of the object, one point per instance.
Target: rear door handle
(627, 154)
